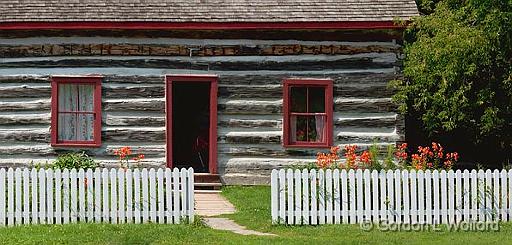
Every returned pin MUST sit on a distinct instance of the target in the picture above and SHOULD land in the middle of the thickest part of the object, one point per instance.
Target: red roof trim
(198, 25)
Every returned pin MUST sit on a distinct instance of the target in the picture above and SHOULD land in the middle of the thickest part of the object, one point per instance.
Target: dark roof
(205, 10)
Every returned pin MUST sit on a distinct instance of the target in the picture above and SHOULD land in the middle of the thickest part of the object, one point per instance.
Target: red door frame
(212, 79)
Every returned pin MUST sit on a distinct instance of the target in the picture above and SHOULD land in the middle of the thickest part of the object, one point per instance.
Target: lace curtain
(76, 107)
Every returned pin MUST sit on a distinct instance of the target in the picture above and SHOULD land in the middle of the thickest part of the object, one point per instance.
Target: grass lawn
(253, 204)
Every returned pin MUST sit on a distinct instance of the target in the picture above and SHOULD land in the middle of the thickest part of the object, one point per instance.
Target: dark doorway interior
(190, 127)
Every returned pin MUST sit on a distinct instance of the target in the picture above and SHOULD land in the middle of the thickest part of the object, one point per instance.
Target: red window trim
(56, 80)
(201, 78)
(328, 84)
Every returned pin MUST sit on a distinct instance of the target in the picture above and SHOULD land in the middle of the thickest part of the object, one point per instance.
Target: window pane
(307, 128)
(66, 124)
(86, 98)
(68, 95)
(316, 99)
(298, 99)
(85, 127)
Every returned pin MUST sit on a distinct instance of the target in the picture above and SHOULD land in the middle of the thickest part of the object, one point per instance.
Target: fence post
(2, 197)
(191, 195)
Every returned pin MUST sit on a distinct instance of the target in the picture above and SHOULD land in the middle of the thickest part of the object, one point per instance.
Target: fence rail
(400, 196)
(31, 196)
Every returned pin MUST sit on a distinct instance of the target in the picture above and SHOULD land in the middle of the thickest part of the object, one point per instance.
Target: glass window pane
(85, 127)
(66, 126)
(298, 99)
(308, 128)
(68, 94)
(86, 98)
(316, 99)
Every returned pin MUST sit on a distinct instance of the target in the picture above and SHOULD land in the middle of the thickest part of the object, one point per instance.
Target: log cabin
(230, 88)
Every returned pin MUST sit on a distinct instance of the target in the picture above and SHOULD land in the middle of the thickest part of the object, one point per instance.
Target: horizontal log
(149, 104)
(146, 121)
(25, 119)
(263, 150)
(27, 105)
(249, 123)
(364, 105)
(133, 91)
(366, 137)
(25, 91)
(248, 107)
(25, 79)
(246, 64)
(105, 151)
(251, 91)
(367, 122)
(72, 49)
(249, 137)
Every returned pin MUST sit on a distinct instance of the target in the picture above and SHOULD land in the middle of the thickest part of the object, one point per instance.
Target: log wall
(249, 98)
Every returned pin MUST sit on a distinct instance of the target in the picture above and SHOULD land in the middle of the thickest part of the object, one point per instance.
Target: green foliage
(390, 157)
(74, 160)
(374, 156)
(458, 70)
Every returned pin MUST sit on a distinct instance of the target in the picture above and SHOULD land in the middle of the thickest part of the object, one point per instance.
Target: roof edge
(141, 25)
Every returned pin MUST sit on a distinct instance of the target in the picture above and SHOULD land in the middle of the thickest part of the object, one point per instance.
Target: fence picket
(305, 196)
(488, 195)
(398, 196)
(375, 195)
(414, 198)
(289, 191)
(435, 178)
(160, 196)
(352, 196)
(298, 198)
(458, 196)
(136, 196)
(113, 196)
(42, 197)
(428, 196)
(420, 178)
(481, 195)
(359, 195)
(336, 195)
(168, 194)
(191, 197)
(152, 194)
(391, 197)
(58, 196)
(451, 197)
(129, 196)
(367, 199)
(314, 196)
(444, 198)
(18, 208)
(10, 197)
(474, 195)
(145, 194)
(2, 197)
(509, 210)
(183, 193)
(65, 196)
(121, 196)
(49, 196)
(176, 195)
(81, 195)
(74, 195)
(282, 200)
(321, 196)
(89, 186)
(97, 195)
(104, 187)
(328, 196)
(504, 195)
(405, 191)
(383, 196)
(496, 195)
(466, 195)
(344, 196)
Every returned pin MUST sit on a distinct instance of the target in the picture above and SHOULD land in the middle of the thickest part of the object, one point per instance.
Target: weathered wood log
(26, 105)
(263, 150)
(25, 91)
(25, 119)
(133, 91)
(250, 123)
(218, 65)
(133, 134)
(134, 79)
(39, 135)
(369, 122)
(364, 105)
(71, 49)
(367, 138)
(105, 151)
(24, 79)
(146, 121)
(248, 107)
(250, 137)
(157, 104)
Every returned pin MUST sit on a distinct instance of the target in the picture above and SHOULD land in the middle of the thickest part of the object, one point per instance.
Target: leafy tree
(458, 70)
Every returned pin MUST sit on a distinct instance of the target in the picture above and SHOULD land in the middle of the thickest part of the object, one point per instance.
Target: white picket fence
(400, 196)
(31, 196)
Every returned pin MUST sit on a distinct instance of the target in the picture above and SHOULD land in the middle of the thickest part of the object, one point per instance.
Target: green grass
(253, 204)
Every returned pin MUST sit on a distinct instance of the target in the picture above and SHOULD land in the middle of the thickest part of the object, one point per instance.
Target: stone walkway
(213, 204)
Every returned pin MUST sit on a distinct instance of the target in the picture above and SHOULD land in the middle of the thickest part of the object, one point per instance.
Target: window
(76, 111)
(307, 106)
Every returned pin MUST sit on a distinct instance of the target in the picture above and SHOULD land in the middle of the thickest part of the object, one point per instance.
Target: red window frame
(307, 82)
(94, 80)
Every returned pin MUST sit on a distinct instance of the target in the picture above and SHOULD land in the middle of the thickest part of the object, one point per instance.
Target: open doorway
(191, 122)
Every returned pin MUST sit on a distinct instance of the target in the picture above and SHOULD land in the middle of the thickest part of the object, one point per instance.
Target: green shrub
(74, 160)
